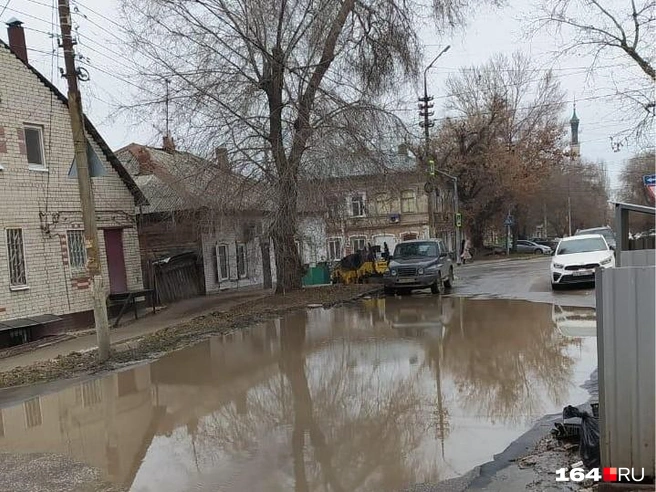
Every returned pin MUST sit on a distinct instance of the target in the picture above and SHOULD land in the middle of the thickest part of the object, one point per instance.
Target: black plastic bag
(589, 441)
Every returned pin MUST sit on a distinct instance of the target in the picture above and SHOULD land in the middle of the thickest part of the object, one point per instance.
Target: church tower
(575, 148)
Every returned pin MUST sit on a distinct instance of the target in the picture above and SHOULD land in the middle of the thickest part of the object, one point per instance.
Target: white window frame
(76, 268)
(226, 258)
(245, 262)
(383, 204)
(30, 411)
(339, 251)
(363, 204)
(358, 237)
(412, 202)
(16, 286)
(33, 166)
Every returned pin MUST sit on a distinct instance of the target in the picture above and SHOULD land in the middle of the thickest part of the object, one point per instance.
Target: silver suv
(419, 264)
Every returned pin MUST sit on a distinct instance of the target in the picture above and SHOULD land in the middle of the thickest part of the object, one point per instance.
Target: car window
(418, 249)
(582, 246)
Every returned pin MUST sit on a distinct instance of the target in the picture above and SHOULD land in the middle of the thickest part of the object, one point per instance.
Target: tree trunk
(283, 232)
(267, 281)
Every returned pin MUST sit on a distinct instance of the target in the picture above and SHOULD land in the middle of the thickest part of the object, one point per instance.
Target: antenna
(168, 81)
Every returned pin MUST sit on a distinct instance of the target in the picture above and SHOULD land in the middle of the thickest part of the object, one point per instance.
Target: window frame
(332, 240)
(413, 202)
(33, 166)
(383, 204)
(353, 248)
(226, 259)
(244, 263)
(29, 408)
(76, 268)
(362, 199)
(16, 286)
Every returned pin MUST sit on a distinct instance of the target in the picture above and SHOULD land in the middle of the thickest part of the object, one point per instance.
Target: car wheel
(435, 288)
(555, 286)
(448, 283)
(538, 251)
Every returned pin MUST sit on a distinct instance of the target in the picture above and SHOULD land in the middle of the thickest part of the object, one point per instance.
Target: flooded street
(372, 396)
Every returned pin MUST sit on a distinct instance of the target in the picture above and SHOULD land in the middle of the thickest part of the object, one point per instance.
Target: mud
(379, 395)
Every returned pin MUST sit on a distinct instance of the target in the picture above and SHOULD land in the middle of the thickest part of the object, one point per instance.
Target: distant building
(44, 286)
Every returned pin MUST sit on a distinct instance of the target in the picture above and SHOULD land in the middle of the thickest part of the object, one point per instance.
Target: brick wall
(45, 204)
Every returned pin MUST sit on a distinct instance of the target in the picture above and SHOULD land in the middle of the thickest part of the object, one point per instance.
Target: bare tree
(502, 139)
(606, 29)
(280, 79)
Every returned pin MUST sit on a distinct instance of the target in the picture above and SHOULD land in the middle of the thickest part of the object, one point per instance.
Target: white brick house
(42, 253)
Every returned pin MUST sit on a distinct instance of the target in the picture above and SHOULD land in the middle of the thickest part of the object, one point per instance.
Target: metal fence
(626, 341)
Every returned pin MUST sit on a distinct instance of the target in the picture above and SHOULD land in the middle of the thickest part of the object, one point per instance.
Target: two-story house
(383, 207)
(44, 285)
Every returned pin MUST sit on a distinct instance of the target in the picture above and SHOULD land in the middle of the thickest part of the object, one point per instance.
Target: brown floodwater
(368, 397)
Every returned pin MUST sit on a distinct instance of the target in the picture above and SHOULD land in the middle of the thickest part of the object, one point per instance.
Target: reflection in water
(362, 398)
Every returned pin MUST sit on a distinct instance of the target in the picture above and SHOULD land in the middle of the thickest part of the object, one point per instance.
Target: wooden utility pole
(84, 184)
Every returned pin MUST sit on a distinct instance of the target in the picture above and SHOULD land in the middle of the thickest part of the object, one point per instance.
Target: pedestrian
(386, 252)
(466, 255)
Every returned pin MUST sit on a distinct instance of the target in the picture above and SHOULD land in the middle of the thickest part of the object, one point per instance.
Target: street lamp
(424, 111)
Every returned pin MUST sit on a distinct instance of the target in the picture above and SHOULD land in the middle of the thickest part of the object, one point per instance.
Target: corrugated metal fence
(626, 345)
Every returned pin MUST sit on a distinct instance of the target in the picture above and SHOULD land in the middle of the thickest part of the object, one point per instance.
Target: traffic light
(431, 167)
(458, 220)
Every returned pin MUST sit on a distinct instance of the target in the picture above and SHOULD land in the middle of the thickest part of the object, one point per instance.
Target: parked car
(419, 264)
(577, 258)
(551, 243)
(524, 246)
(605, 231)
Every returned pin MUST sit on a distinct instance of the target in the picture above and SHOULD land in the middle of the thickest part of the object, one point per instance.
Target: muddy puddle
(369, 397)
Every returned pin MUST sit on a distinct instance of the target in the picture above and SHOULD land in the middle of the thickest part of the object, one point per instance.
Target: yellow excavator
(357, 268)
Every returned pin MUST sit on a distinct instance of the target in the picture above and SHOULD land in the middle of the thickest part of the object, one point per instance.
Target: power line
(5, 7)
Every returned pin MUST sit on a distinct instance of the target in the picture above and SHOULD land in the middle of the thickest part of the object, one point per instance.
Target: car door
(523, 247)
(445, 261)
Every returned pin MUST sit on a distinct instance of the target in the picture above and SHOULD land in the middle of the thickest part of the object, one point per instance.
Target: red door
(118, 281)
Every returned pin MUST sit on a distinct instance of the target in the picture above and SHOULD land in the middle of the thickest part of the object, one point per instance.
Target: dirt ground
(184, 334)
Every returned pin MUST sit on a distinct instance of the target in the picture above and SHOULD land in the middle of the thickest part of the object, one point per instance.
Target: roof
(139, 198)
(181, 181)
(581, 236)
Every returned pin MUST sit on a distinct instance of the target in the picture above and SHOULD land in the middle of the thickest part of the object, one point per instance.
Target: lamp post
(424, 112)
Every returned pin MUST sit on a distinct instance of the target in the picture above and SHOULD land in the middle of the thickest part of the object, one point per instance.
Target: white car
(577, 258)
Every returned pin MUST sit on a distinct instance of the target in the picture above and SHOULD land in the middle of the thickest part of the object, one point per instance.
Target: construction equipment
(353, 269)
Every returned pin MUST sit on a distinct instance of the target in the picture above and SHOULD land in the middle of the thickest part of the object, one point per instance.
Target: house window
(77, 254)
(241, 260)
(16, 255)
(335, 249)
(34, 146)
(357, 205)
(358, 243)
(222, 255)
(382, 204)
(408, 202)
(33, 412)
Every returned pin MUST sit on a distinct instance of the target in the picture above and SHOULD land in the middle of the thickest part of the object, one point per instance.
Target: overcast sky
(491, 31)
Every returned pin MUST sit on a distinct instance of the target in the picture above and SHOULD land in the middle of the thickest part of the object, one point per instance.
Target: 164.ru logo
(628, 475)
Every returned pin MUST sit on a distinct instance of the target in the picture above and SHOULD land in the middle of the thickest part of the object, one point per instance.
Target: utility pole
(84, 184)
(425, 105)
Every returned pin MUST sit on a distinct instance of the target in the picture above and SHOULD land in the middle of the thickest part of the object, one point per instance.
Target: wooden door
(118, 281)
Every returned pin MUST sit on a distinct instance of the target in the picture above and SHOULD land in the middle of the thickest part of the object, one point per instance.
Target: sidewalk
(175, 314)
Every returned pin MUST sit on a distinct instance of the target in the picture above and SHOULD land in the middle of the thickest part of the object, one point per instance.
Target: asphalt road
(517, 279)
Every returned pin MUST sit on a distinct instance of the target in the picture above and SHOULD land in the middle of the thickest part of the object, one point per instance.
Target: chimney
(143, 158)
(168, 144)
(17, 38)
(222, 159)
